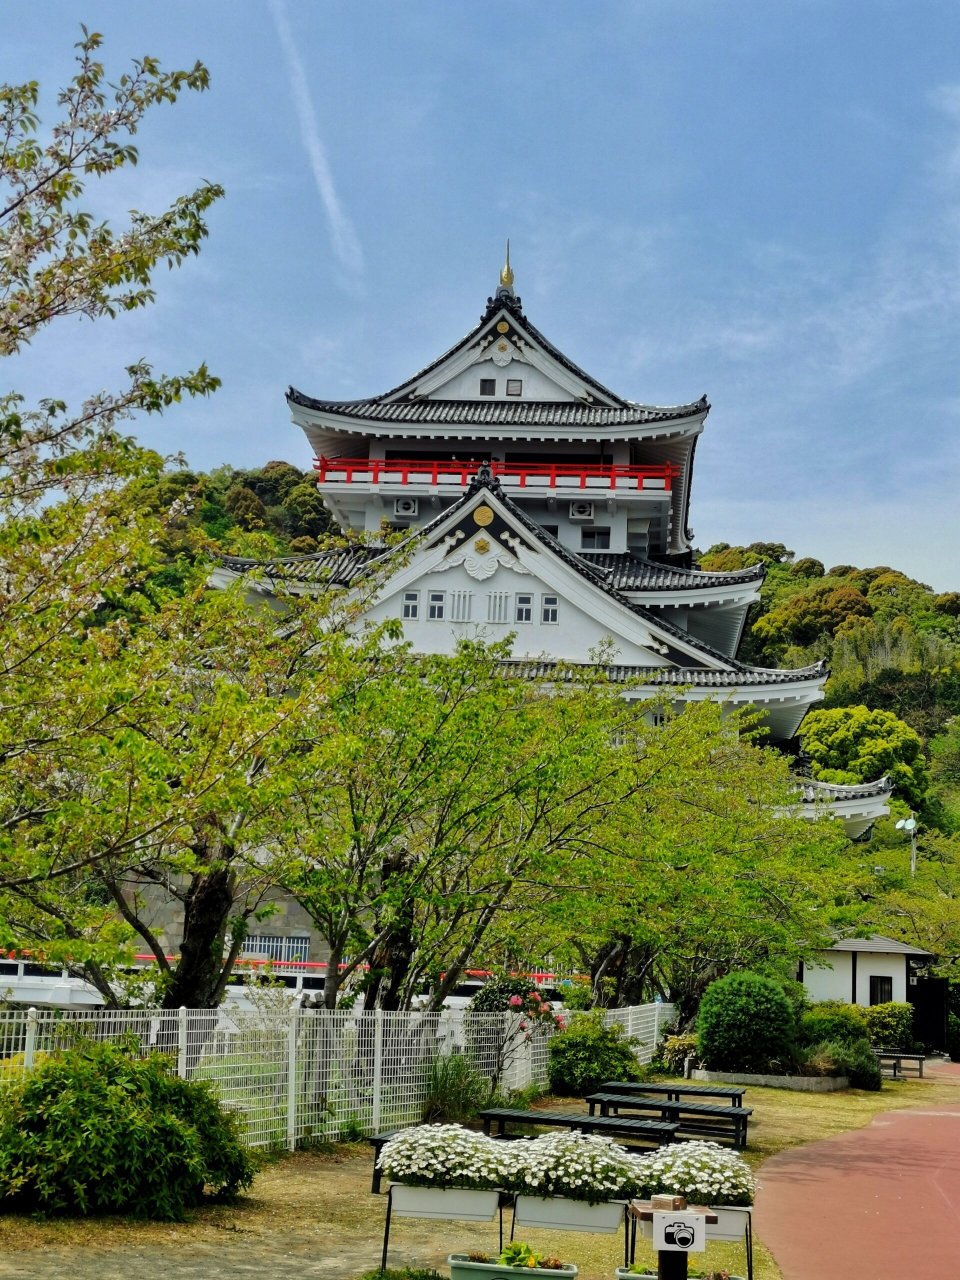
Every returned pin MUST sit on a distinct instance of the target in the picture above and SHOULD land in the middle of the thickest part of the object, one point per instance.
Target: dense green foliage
(588, 1053)
(833, 1021)
(97, 1130)
(890, 1025)
(456, 1090)
(854, 744)
(496, 993)
(851, 1058)
(745, 1023)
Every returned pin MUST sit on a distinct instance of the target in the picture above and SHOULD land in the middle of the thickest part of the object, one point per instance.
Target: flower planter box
(455, 1204)
(461, 1268)
(558, 1213)
(732, 1224)
(624, 1273)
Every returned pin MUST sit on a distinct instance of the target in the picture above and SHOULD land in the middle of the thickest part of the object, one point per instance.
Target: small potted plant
(445, 1171)
(517, 1256)
(572, 1182)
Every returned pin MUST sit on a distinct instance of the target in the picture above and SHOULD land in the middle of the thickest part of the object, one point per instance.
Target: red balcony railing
(541, 474)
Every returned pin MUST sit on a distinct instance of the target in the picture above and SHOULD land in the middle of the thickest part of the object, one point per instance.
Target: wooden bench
(893, 1060)
(377, 1141)
(677, 1092)
(703, 1119)
(496, 1121)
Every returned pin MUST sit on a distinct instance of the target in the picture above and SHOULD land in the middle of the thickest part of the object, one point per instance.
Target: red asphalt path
(880, 1203)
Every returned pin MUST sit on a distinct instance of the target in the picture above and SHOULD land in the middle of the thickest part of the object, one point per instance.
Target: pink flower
(523, 1026)
(561, 1024)
(515, 1002)
(535, 995)
(546, 1005)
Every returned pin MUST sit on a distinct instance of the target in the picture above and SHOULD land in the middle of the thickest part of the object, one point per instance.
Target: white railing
(297, 1076)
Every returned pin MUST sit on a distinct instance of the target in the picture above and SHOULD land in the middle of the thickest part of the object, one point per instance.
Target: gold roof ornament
(506, 272)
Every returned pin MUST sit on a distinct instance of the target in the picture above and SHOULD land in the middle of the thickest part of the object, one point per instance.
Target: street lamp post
(910, 824)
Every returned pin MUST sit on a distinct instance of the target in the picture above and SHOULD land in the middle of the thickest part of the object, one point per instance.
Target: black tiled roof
(492, 413)
(698, 677)
(627, 572)
(337, 568)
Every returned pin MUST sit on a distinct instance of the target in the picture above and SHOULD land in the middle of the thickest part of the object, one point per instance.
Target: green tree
(855, 744)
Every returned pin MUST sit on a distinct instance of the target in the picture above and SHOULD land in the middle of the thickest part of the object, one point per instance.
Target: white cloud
(346, 244)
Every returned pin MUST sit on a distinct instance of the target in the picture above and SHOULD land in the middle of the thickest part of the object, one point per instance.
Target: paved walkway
(881, 1203)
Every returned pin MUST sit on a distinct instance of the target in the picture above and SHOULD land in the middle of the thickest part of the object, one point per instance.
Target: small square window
(514, 386)
(435, 606)
(488, 386)
(551, 609)
(524, 609)
(411, 604)
(595, 539)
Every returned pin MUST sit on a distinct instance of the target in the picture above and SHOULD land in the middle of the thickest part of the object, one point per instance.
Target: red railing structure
(429, 471)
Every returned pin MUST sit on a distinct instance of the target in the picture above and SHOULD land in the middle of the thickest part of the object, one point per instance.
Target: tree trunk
(206, 911)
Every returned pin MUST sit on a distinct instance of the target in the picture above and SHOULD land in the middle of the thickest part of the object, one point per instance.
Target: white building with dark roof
(541, 504)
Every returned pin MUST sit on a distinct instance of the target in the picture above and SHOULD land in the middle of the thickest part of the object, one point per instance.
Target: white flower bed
(581, 1166)
(446, 1155)
(702, 1171)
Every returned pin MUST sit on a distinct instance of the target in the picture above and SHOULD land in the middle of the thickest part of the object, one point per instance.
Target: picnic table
(893, 1060)
(705, 1119)
(497, 1120)
(677, 1092)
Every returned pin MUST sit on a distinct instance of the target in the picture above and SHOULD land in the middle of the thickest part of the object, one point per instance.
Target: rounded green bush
(890, 1025)
(587, 1053)
(842, 1023)
(98, 1130)
(855, 1060)
(746, 1023)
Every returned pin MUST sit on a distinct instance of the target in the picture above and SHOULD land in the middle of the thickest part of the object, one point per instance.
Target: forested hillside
(893, 649)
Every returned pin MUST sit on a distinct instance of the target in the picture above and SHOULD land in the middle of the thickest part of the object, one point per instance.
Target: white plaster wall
(829, 983)
(881, 964)
(572, 638)
(466, 385)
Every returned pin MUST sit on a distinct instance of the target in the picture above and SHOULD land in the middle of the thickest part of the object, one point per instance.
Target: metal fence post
(377, 1068)
(30, 1044)
(182, 1042)
(656, 1025)
(292, 1079)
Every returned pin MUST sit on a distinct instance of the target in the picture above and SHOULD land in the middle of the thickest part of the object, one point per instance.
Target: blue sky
(756, 200)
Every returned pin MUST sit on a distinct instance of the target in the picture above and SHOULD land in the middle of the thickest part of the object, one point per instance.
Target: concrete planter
(557, 1213)
(461, 1268)
(455, 1204)
(800, 1084)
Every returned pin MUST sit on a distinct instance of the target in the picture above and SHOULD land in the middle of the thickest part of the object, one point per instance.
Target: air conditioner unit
(406, 507)
(581, 510)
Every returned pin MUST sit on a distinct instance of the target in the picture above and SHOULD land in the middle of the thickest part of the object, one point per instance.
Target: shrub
(576, 993)
(745, 1023)
(831, 1020)
(495, 994)
(674, 1051)
(953, 1037)
(588, 1052)
(97, 1130)
(890, 1025)
(858, 1063)
(456, 1090)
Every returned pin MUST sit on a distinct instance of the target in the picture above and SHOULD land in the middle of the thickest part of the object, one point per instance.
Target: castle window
(498, 606)
(488, 386)
(524, 609)
(435, 606)
(550, 611)
(411, 604)
(596, 539)
(460, 606)
(514, 386)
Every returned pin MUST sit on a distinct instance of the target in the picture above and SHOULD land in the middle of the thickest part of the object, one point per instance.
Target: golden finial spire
(506, 273)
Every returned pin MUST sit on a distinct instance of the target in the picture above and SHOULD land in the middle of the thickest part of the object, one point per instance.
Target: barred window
(488, 386)
(460, 606)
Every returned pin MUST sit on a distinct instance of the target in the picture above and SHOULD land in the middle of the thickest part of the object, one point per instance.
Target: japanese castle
(541, 503)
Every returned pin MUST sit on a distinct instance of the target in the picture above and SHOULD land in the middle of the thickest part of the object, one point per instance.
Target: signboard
(680, 1232)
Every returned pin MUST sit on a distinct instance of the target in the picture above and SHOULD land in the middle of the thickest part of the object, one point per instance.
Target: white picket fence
(297, 1076)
